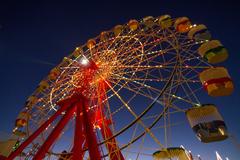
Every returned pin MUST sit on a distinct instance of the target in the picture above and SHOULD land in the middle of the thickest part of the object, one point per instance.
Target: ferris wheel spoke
(133, 136)
(137, 92)
(146, 66)
(144, 70)
(151, 79)
(185, 92)
(139, 86)
(167, 99)
(196, 56)
(135, 115)
(187, 89)
(191, 91)
(150, 55)
(153, 54)
(157, 91)
(169, 125)
(161, 100)
(122, 106)
(176, 109)
(140, 148)
(182, 98)
(128, 39)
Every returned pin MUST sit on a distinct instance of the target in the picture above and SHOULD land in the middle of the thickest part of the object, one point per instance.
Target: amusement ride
(119, 95)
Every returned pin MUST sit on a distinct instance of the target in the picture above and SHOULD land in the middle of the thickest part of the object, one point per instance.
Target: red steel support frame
(36, 133)
(113, 149)
(54, 134)
(84, 129)
(83, 126)
(78, 136)
(111, 145)
(90, 135)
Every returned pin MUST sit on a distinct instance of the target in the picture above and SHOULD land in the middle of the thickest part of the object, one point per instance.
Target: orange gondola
(182, 24)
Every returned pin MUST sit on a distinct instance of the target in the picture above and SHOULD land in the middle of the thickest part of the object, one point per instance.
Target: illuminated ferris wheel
(119, 95)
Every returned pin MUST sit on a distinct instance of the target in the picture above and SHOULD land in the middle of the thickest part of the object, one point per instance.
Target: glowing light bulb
(84, 61)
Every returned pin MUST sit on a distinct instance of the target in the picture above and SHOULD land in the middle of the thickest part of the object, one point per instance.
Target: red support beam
(19, 150)
(111, 145)
(113, 149)
(54, 134)
(89, 133)
(84, 132)
(78, 136)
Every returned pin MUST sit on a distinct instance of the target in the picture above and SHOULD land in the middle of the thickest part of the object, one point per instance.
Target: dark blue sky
(33, 33)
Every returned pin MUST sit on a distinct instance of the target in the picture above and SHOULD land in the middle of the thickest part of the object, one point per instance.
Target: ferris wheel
(119, 95)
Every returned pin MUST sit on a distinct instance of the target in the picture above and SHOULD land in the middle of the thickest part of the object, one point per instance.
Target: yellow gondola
(182, 24)
(6, 147)
(213, 51)
(169, 153)
(165, 21)
(207, 123)
(43, 85)
(117, 30)
(65, 62)
(148, 21)
(18, 131)
(54, 73)
(103, 36)
(32, 100)
(200, 32)
(133, 24)
(217, 81)
(76, 53)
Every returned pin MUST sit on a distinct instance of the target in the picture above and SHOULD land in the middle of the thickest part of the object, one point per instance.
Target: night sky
(35, 36)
